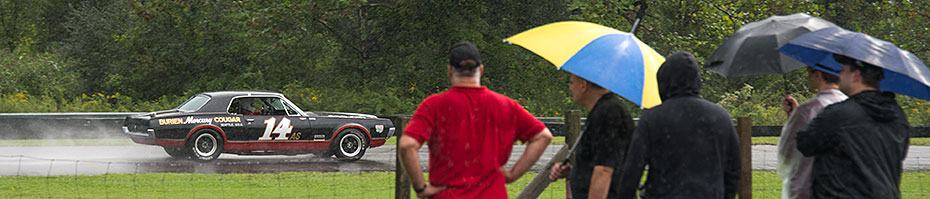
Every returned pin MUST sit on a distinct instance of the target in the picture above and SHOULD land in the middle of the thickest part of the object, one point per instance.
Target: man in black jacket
(689, 143)
(858, 144)
(599, 153)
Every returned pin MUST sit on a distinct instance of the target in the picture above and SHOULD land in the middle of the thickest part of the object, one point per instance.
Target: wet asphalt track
(95, 160)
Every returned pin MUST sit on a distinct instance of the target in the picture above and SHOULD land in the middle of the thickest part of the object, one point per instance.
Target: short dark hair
(827, 77)
(871, 75)
(589, 82)
(464, 58)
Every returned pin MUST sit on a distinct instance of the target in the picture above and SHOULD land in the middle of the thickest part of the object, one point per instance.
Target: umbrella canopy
(613, 59)
(904, 72)
(751, 50)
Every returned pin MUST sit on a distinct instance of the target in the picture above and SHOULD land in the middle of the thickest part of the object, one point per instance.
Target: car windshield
(194, 103)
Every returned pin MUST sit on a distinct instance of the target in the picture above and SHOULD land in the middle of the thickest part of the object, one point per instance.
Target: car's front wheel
(177, 152)
(205, 145)
(350, 145)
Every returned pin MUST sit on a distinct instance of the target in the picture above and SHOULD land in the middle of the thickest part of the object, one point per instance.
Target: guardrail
(107, 125)
(62, 125)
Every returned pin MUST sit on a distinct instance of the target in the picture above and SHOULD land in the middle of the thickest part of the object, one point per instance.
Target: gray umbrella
(751, 50)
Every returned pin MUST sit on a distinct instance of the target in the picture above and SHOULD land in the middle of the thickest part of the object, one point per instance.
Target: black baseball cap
(464, 55)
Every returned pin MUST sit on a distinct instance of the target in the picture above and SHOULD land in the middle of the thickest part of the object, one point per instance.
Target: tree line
(376, 56)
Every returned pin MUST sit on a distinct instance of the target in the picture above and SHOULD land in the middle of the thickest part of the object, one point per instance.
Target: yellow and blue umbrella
(613, 59)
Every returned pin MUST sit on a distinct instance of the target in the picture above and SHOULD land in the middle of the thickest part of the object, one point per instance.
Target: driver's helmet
(247, 107)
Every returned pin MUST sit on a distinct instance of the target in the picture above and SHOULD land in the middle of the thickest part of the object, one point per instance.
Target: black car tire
(177, 152)
(350, 145)
(205, 145)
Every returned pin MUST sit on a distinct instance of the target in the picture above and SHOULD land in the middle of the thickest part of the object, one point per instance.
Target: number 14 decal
(282, 129)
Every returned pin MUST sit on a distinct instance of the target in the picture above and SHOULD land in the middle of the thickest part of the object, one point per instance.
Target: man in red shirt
(471, 131)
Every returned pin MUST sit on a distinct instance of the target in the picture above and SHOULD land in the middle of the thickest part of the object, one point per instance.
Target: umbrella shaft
(635, 23)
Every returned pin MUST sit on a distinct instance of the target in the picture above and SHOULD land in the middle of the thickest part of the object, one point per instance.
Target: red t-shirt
(470, 132)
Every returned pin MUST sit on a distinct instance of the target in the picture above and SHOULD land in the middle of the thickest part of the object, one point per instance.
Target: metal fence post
(401, 179)
(744, 130)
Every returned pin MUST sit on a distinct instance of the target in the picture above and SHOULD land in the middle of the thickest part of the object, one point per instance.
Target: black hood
(679, 76)
(879, 105)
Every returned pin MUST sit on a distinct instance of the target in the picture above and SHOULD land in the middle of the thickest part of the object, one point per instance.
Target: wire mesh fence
(64, 178)
(33, 177)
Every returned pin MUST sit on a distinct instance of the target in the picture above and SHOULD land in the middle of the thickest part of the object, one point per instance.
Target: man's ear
(857, 76)
(585, 85)
(449, 71)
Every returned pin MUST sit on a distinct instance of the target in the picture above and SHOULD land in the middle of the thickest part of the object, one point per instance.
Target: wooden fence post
(401, 179)
(744, 130)
(541, 181)
(572, 129)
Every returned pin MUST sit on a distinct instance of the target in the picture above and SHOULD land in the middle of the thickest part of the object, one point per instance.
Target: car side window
(276, 106)
(246, 106)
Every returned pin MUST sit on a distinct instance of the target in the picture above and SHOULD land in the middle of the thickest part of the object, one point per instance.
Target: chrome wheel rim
(205, 145)
(350, 145)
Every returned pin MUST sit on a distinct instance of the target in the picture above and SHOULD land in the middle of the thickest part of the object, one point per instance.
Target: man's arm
(819, 135)
(600, 182)
(407, 148)
(797, 120)
(534, 149)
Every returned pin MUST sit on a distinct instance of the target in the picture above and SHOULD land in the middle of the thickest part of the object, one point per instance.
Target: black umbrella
(751, 50)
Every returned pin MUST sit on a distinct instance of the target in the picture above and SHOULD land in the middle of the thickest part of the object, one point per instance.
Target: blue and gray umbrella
(904, 72)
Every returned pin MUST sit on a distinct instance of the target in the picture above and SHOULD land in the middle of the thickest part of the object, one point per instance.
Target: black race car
(255, 123)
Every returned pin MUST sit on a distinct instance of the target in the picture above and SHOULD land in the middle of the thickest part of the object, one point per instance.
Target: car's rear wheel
(205, 145)
(350, 145)
(177, 152)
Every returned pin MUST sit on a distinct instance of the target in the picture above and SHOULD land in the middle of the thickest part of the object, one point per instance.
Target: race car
(255, 123)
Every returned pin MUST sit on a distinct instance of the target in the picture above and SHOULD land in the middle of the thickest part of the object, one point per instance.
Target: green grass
(194, 185)
(301, 185)
(767, 140)
(773, 140)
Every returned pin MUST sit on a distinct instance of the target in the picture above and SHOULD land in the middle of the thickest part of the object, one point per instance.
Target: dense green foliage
(376, 56)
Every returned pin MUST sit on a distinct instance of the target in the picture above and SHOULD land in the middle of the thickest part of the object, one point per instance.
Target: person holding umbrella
(858, 144)
(689, 143)
(600, 150)
(605, 64)
(471, 131)
(793, 168)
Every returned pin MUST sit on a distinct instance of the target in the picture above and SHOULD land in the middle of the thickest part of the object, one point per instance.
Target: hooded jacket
(689, 143)
(859, 146)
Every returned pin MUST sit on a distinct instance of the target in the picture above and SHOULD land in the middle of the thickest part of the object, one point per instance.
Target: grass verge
(773, 140)
(301, 185)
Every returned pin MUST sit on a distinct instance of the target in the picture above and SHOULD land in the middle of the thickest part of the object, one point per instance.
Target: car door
(270, 120)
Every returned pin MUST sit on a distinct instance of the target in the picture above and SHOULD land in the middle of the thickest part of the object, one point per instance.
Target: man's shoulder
(609, 107)
(843, 106)
(450, 96)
